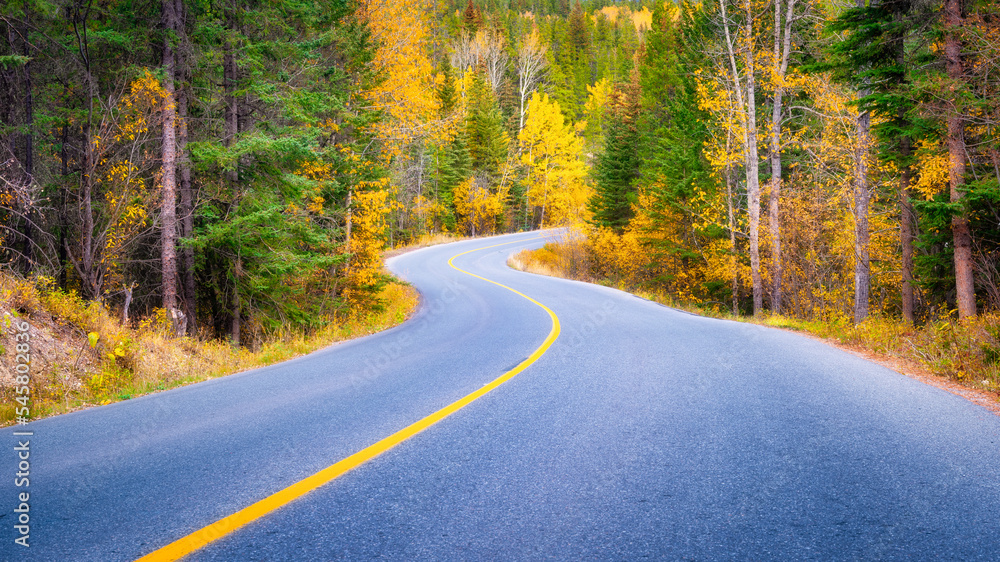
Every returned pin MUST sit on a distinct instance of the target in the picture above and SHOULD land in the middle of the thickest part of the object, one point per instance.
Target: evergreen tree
(876, 57)
(453, 163)
(617, 167)
(485, 132)
(676, 177)
(472, 19)
(447, 93)
(673, 128)
(267, 241)
(578, 57)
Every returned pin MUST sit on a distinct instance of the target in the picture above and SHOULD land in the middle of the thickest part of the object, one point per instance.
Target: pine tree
(485, 132)
(454, 167)
(453, 163)
(673, 128)
(472, 19)
(617, 168)
(447, 93)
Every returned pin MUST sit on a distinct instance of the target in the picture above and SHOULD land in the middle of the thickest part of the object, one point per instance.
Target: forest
(238, 167)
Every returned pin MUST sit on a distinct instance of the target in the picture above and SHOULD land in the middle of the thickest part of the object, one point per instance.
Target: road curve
(642, 432)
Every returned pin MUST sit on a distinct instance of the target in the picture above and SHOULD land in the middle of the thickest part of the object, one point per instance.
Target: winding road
(521, 417)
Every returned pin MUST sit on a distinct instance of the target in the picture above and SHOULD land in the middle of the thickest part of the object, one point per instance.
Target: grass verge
(82, 355)
(961, 357)
(423, 242)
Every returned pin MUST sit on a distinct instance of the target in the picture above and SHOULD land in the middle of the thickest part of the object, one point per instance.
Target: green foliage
(13, 61)
(447, 93)
(672, 127)
(617, 167)
(453, 167)
(268, 242)
(876, 55)
(484, 128)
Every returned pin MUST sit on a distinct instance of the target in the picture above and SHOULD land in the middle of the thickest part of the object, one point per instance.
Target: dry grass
(967, 352)
(569, 259)
(68, 373)
(536, 261)
(425, 241)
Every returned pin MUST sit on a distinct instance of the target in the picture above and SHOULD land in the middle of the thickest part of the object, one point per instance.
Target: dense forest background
(239, 166)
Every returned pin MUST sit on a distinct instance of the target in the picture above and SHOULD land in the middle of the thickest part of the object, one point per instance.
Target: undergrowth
(83, 355)
(423, 241)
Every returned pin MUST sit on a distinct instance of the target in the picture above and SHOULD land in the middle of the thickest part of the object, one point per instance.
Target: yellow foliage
(120, 173)
(316, 170)
(479, 208)
(617, 256)
(664, 232)
(556, 173)
(104, 361)
(932, 169)
(817, 222)
(642, 20)
(429, 214)
(595, 109)
(402, 34)
(368, 223)
(319, 172)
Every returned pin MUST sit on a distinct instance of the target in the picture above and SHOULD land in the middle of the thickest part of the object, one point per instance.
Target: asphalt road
(643, 432)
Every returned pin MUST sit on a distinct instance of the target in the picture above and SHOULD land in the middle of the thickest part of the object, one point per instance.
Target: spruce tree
(617, 167)
(673, 128)
(673, 131)
(453, 164)
(485, 132)
(454, 167)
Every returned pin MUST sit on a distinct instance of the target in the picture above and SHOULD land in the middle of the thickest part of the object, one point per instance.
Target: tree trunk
(349, 220)
(907, 216)
(29, 149)
(168, 209)
(545, 200)
(182, 85)
(84, 263)
(128, 303)
(732, 237)
(753, 168)
(774, 202)
(237, 309)
(964, 282)
(231, 127)
(862, 197)
(63, 215)
(907, 228)
(782, 51)
(748, 111)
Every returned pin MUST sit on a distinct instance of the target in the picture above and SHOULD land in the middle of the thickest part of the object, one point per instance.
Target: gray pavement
(643, 432)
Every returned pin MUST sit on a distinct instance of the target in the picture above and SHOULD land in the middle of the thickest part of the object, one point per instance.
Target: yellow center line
(194, 541)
